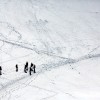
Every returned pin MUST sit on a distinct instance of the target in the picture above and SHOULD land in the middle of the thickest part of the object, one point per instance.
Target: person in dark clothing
(26, 67)
(32, 64)
(34, 67)
(16, 67)
(0, 70)
(30, 70)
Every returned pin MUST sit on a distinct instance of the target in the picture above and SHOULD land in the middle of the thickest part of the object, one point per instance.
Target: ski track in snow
(41, 29)
(13, 85)
(44, 67)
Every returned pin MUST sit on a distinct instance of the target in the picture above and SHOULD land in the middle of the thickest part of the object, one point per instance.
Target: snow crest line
(44, 67)
(67, 60)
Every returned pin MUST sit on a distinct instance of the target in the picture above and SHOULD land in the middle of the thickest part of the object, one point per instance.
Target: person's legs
(34, 70)
(30, 71)
(0, 72)
(25, 70)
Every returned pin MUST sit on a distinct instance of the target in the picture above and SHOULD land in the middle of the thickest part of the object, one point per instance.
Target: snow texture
(62, 38)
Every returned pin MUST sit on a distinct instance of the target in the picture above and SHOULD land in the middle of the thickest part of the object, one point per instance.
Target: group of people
(31, 69)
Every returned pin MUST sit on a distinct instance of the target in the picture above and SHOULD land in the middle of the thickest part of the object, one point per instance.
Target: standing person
(34, 68)
(16, 67)
(26, 67)
(32, 64)
(0, 70)
(31, 69)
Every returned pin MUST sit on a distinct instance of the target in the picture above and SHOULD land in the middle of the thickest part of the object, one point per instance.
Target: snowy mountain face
(62, 37)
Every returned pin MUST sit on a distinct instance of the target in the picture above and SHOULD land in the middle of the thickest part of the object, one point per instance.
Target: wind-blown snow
(62, 37)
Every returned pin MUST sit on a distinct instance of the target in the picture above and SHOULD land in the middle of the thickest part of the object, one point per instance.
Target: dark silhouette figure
(30, 70)
(34, 67)
(0, 70)
(32, 64)
(16, 67)
(26, 67)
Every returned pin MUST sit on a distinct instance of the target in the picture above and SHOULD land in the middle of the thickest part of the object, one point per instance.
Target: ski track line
(45, 67)
(48, 66)
(30, 48)
(11, 29)
(17, 86)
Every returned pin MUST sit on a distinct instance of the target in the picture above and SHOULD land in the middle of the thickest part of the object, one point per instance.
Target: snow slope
(62, 37)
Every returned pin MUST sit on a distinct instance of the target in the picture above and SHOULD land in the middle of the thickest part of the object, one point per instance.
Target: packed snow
(62, 38)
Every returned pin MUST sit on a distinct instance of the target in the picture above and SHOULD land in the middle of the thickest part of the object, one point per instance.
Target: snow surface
(62, 37)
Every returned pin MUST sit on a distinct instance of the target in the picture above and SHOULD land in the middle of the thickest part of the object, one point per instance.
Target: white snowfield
(62, 38)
